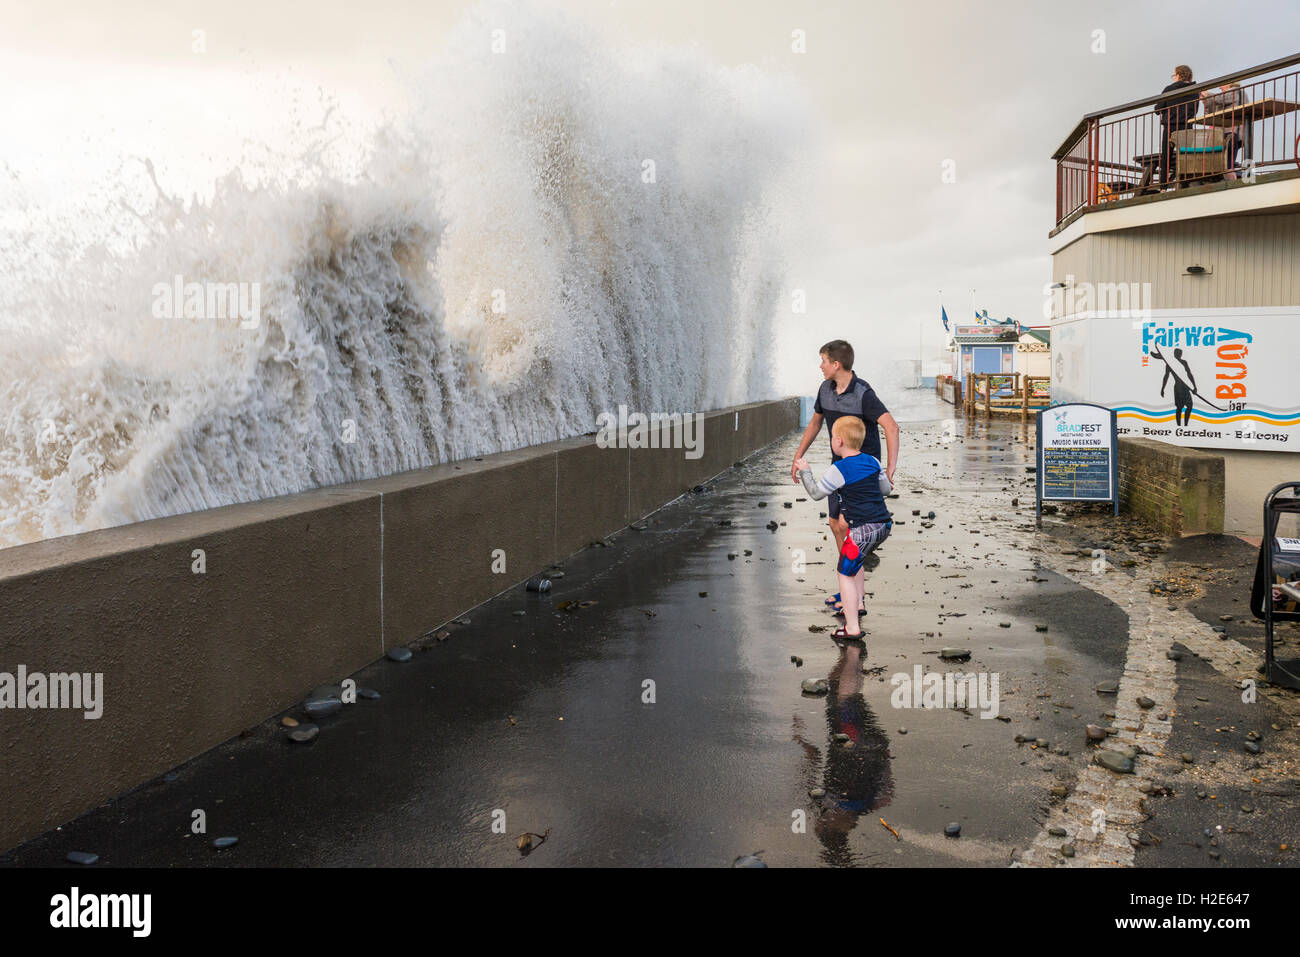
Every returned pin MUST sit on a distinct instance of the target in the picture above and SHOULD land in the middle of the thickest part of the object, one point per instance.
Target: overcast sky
(898, 89)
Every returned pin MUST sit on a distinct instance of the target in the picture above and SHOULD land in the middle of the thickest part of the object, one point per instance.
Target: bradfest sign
(1210, 378)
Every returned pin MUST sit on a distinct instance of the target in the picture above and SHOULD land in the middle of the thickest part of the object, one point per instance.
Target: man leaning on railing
(1176, 113)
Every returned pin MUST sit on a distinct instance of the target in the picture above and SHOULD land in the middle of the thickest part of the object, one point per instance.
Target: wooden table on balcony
(1263, 109)
(1248, 112)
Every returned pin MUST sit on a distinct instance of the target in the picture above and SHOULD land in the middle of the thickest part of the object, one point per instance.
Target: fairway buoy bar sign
(1215, 378)
(1077, 458)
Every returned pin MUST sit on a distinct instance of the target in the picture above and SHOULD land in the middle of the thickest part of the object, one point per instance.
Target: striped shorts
(860, 542)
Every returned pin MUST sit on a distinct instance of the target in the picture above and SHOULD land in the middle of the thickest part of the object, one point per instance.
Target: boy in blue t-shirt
(862, 486)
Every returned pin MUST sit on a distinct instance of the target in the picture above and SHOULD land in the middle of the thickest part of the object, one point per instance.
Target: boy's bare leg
(839, 528)
(851, 594)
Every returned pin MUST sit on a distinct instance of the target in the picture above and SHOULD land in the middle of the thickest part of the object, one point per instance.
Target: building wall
(1248, 477)
(1033, 363)
(1255, 261)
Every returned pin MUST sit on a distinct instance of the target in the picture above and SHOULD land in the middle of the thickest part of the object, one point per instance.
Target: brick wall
(1178, 490)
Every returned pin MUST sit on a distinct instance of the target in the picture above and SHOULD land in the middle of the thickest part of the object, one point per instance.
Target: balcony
(1153, 149)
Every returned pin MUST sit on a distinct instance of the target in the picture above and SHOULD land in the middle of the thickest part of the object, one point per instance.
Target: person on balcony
(1237, 137)
(1176, 113)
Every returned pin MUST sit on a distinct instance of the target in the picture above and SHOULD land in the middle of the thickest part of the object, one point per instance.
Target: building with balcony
(1175, 293)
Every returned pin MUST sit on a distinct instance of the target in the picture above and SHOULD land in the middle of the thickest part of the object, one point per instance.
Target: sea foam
(493, 271)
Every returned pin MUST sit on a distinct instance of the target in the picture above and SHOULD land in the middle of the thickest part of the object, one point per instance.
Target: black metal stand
(1272, 562)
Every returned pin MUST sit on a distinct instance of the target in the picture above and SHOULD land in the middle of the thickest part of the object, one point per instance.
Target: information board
(1077, 455)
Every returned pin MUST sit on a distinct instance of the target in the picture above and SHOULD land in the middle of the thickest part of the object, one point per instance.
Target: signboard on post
(1078, 458)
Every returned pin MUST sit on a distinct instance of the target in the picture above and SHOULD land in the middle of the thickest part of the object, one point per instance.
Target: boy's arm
(810, 433)
(890, 425)
(818, 489)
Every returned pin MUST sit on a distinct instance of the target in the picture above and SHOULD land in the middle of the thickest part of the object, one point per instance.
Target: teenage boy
(843, 393)
(855, 477)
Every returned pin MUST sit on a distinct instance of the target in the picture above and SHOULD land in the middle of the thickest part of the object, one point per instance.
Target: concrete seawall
(296, 592)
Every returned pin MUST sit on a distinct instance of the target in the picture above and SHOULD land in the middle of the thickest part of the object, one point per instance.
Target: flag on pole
(943, 314)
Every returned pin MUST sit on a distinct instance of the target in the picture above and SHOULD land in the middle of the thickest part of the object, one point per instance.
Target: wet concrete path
(543, 716)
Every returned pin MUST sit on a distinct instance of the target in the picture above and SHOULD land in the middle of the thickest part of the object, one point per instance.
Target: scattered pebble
(318, 707)
(82, 857)
(398, 654)
(1114, 761)
(303, 733)
(223, 842)
(953, 830)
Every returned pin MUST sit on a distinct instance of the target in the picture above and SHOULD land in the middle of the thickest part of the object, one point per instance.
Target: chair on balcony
(1202, 154)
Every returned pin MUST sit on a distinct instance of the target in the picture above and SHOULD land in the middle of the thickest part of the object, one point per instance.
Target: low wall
(1178, 490)
(294, 592)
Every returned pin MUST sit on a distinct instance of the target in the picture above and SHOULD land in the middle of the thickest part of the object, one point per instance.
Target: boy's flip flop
(834, 599)
(841, 634)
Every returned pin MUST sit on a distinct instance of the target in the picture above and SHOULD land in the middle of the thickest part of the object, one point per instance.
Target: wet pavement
(658, 719)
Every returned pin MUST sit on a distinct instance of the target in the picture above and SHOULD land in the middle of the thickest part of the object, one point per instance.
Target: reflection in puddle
(855, 771)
